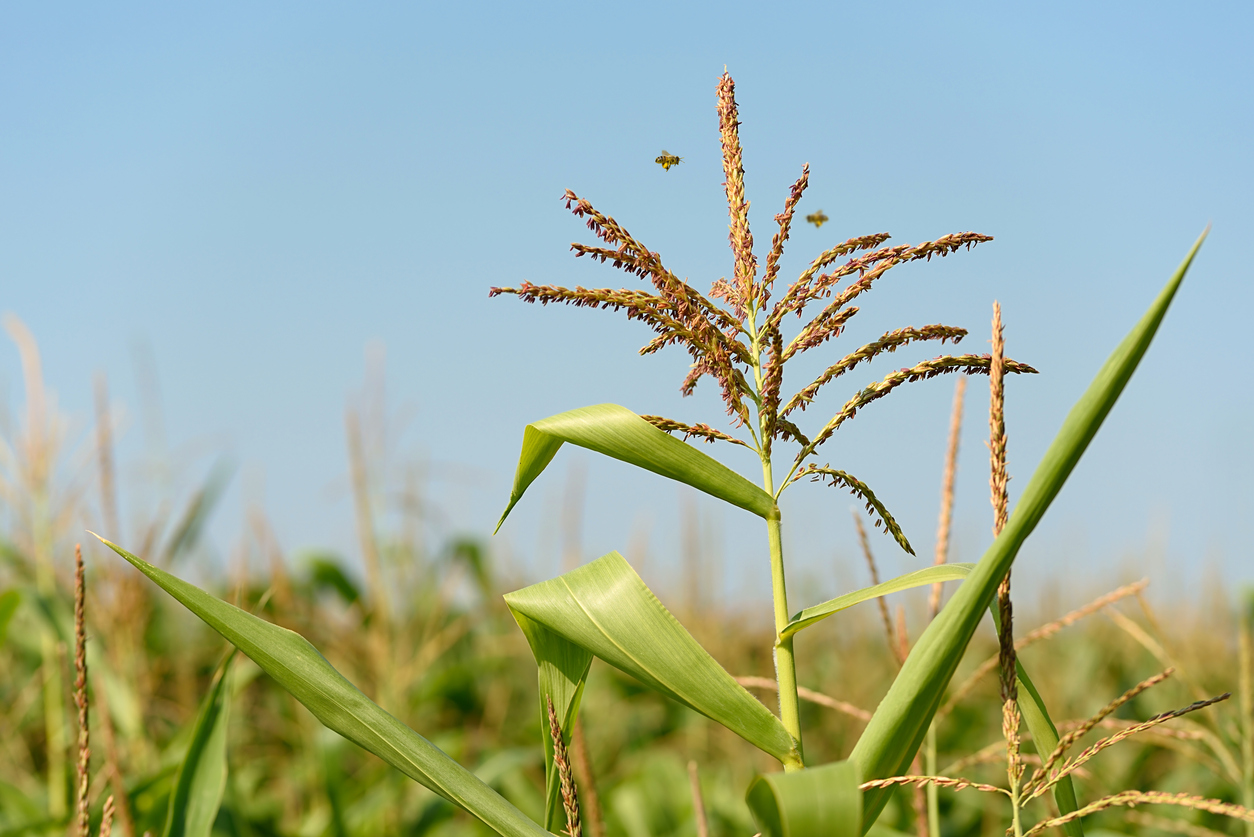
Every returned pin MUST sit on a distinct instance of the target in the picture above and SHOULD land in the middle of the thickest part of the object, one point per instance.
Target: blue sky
(251, 195)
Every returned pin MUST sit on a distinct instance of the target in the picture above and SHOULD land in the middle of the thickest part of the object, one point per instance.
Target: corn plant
(741, 341)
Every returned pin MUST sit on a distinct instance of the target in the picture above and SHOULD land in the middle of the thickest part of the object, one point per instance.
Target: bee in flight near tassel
(818, 219)
(667, 159)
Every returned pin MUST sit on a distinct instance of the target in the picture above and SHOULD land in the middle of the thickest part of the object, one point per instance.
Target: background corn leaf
(807, 803)
(298, 667)
(562, 669)
(918, 578)
(621, 434)
(897, 728)
(606, 609)
(124, 703)
(9, 600)
(201, 779)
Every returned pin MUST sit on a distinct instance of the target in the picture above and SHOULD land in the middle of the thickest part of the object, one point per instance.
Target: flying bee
(667, 159)
(818, 219)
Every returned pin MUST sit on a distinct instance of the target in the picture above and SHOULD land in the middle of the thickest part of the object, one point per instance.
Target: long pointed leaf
(1032, 707)
(562, 669)
(606, 609)
(621, 434)
(807, 803)
(298, 667)
(918, 578)
(201, 779)
(896, 730)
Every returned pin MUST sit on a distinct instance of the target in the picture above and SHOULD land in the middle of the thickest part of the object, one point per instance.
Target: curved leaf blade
(821, 800)
(201, 780)
(897, 728)
(562, 669)
(620, 434)
(918, 578)
(606, 609)
(298, 667)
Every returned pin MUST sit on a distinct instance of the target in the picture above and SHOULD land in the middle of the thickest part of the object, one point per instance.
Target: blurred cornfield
(425, 633)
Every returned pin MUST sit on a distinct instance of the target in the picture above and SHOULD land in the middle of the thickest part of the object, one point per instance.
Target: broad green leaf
(562, 669)
(201, 779)
(621, 434)
(9, 600)
(918, 578)
(897, 728)
(604, 608)
(298, 667)
(807, 803)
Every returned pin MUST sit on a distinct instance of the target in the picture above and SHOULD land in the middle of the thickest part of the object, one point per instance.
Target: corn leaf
(895, 731)
(621, 434)
(918, 578)
(1032, 707)
(298, 667)
(9, 600)
(818, 801)
(562, 669)
(199, 509)
(124, 704)
(604, 608)
(201, 779)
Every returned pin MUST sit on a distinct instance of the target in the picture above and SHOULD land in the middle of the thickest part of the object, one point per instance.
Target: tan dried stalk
(1132, 798)
(880, 512)
(903, 639)
(947, 493)
(104, 452)
(570, 797)
(591, 799)
(1043, 632)
(122, 807)
(698, 802)
(1085, 727)
(918, 797)
(808, 694)
(365, 518)
(875, 579)
(1070, 766)
(987, 755)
